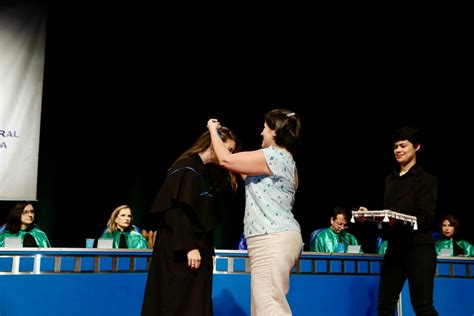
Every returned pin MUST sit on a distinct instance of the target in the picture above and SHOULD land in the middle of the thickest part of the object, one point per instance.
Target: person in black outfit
(411, 253)
(180, 276)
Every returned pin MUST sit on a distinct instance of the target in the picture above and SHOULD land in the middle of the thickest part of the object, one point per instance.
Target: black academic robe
(183, 210)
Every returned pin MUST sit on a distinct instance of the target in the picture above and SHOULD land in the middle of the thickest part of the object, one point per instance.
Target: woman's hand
(213, 125)
(194, 259)
(361, 219)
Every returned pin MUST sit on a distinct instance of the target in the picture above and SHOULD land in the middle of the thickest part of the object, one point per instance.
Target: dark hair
(339, 210)
(287, 127)
(452, 222)
(14, 218)
(412, 134)
(204, 142)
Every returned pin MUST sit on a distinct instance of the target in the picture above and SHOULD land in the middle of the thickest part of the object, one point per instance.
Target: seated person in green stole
(334, 238)
(21, 223)
(121, 229)
(450, 238)
(382, 248)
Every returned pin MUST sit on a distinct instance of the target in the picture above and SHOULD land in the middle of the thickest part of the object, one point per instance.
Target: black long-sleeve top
(414, 193)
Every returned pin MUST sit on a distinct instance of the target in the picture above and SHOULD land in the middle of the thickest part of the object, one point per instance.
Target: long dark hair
(204, 142)
(14, 218)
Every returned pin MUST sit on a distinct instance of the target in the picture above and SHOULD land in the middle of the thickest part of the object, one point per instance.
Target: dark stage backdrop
(92, 161)
(126, 93)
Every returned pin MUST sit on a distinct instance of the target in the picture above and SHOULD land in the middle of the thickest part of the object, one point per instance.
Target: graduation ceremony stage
(74, 281)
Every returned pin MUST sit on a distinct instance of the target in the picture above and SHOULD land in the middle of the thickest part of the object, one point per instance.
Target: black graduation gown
(183, 208)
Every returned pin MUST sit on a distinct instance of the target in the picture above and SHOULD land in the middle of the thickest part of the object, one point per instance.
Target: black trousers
(415, 262)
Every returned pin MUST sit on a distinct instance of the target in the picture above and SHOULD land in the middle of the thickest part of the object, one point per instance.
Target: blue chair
(378, 242)
(242, 243)
(313, 234)
(436, 236)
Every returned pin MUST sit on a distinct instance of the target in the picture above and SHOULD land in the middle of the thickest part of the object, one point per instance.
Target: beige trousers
(272, 257)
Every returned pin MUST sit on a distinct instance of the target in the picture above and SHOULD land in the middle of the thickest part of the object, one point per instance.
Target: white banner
(22, 49)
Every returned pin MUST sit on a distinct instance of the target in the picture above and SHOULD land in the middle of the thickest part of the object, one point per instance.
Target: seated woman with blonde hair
(120, 228)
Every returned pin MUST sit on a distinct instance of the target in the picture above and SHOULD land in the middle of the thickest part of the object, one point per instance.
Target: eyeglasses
(26, 212)
(341, 224)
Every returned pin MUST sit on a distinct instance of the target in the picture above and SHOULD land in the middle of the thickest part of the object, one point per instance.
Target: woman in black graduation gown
(180, 275)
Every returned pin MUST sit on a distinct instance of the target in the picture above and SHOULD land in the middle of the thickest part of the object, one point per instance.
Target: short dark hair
(287, 127)
(412, 134)
(339, 210)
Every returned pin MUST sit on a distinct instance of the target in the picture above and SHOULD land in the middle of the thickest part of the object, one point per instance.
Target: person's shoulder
(134, 233)
(431, 178)
(323, 232)
(6, 233)
(107, 231)
(181, 162)
(348, 234)
(391, 175)
(426, 175)
(268, 150)
(278, 158)
(185, 164)
(275, 151)
(37, 230)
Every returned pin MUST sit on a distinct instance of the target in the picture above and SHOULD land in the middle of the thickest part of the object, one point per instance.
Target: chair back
(378, 242)
(314, 233)
(242, 243)
(150, 237)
